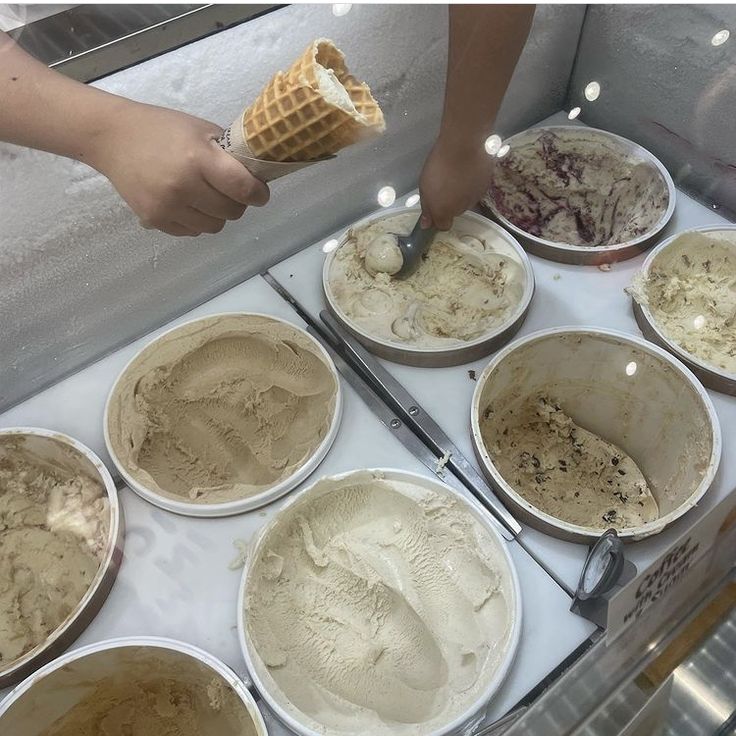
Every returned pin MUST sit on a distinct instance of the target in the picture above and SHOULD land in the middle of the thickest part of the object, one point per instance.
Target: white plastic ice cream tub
(623, 389)
(469, 223)
(49, 694)
(711, 376)
(56, 447)
(464, 722)
(182, 505)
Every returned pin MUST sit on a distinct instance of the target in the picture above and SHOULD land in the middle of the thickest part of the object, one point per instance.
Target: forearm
(45, 110)
(484, 45)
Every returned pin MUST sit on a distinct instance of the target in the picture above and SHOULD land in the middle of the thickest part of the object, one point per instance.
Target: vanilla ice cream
(564, 470)
(465, 288)
(222, 408)
(333, 91)
(690, 291)
(54, 522)
(577, 187)
(375, 605)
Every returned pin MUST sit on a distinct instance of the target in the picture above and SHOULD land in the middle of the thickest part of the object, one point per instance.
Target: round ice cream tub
(470, 223)
(55, 447)
(182, 505)
(710, 375)
(474, 714)
(625, 390)
(599, 254)
(39, 701)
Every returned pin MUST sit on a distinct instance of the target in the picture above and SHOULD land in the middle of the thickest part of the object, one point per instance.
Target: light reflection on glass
(412, 199)
(592, 91)
(721, 37)
(339, 9)
(631, 368)
(386, 196)
(699, 322)
(493, 144)
(505, 148)
(330, 245)
(573, 113)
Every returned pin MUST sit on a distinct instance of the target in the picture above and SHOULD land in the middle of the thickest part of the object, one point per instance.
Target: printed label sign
(704, 552)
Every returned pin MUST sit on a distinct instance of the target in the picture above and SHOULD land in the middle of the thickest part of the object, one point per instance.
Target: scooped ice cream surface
(222, 408)
(377, 606)
(466, 286)
(564, 470)
(333, 90)
(577, 187)
(383, 255)
(690, 291)
(147, 700)
(54, 522)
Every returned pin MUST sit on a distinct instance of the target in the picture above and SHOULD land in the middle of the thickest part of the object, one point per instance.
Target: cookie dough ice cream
(564, 470)
(466, 287)
(54, 521)
(578, 188)
(690, 290)
(222, 408)
(377, 606)
(156, 702)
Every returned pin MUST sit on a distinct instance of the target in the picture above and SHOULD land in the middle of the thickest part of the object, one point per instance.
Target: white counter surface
(175, 579)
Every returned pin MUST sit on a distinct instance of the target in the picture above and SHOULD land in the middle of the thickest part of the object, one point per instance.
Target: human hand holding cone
(304, 115)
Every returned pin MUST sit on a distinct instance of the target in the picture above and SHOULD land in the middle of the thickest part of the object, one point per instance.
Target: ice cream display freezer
(262, 483)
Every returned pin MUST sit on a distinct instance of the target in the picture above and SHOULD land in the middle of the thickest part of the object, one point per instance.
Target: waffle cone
(292, 121)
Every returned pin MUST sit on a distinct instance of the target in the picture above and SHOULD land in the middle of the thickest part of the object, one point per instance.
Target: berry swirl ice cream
(577, 187)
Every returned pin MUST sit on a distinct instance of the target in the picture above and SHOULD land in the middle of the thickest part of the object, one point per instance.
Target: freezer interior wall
(668, 81)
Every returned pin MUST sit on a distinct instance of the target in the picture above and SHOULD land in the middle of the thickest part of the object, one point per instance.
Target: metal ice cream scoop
(413, 246)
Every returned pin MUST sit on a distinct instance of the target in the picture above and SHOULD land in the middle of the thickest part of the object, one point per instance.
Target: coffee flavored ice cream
(564, 470)
(466, 286)
(54, 521)
(222, 408)
(577, 187)
(148, 700)
(376, 606)
(690, 291)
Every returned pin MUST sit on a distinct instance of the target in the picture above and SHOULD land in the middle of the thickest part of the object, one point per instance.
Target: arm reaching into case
(165, 164)
(484, 45)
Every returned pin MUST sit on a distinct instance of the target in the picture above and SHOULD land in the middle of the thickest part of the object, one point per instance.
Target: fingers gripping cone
(304, 116)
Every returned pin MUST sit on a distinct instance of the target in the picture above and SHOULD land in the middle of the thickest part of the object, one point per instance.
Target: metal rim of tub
(174, 645)
(237, 506)
(436, 357)
(709, 375)
(588, 255)
(99, 589)
(549, 524)
(477, 710)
